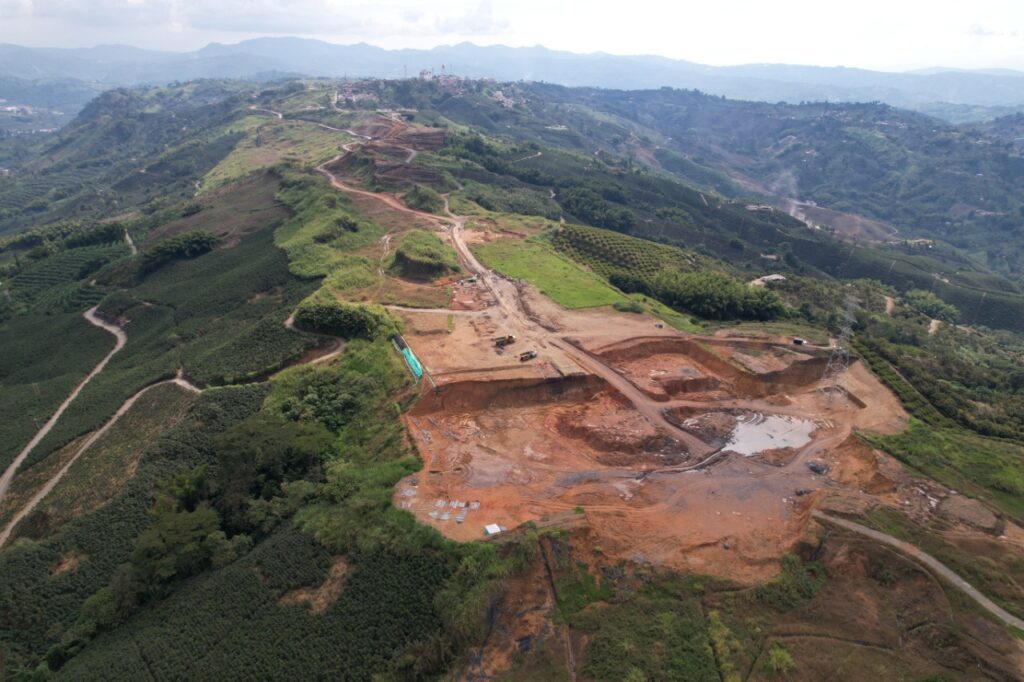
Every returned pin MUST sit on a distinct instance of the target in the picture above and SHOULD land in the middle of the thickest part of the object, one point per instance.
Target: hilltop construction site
(700, 453)
(686, 452)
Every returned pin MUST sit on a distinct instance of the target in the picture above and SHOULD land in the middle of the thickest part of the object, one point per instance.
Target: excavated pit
(712, 365)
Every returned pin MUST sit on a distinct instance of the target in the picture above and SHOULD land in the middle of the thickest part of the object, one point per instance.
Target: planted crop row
(607, 252)
(912, 400)
(38, 280)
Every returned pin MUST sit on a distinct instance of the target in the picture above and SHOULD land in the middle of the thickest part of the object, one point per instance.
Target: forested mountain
(920, 177)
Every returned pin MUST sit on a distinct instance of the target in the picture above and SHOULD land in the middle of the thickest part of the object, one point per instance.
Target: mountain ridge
(116, 65)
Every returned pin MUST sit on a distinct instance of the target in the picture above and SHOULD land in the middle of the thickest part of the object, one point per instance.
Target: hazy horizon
(875, 35)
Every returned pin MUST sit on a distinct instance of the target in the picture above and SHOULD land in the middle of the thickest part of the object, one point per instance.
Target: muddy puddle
(756, 433)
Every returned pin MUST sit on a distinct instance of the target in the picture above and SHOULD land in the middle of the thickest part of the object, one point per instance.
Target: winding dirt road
(507, 295)
(86, 444)
(122, 338)
(929, 561)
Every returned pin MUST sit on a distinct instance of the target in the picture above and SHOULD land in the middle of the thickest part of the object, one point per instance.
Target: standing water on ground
(757, 432)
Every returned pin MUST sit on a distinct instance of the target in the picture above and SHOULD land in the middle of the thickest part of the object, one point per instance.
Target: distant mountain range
(954, 94)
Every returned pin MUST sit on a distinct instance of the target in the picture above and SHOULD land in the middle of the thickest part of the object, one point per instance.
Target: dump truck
(528, 355)
(503, 341)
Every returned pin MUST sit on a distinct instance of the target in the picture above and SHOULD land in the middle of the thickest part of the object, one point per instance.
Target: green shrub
(424, 199)
(797, 583)
(778, 660)
(347, 320)
(711, 295)
(628, 306)
(423, 255)
(927, 303)
(179, 247)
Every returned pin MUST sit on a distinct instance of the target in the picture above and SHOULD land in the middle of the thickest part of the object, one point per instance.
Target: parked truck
(528, 355)
(503, 341)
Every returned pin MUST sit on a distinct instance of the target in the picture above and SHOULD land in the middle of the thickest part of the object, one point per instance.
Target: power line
(833, 380)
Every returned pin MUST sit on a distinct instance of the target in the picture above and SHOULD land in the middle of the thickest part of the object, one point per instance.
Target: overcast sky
(879, 34)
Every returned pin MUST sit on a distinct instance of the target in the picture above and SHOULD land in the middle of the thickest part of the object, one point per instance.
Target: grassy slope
(270, 141)
(423, 255)
(40, 603)
(987, 468)
(104, 468)
(230, 213)
(988, 565)
(112, 460)
(559, 279)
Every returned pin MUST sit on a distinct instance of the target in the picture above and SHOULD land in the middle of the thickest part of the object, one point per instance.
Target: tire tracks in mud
(122, 338)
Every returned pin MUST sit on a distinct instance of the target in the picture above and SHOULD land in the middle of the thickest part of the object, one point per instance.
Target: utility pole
(833, 380)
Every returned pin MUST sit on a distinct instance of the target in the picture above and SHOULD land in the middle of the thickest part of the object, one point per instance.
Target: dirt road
(507, 295)
(93, 437)
(131, 244)
(648, 407)
(437, 311)
(122, 338)
(929, 561)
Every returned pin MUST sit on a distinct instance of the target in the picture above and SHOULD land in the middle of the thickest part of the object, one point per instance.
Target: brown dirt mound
(711, 427)
(970, 512)
(609, 425)
(855, 463)
(319, 598)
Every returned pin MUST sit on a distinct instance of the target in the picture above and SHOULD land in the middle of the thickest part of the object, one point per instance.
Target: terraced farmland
(55, 283)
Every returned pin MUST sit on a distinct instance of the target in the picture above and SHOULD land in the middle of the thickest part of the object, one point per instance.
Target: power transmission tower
(833, 380)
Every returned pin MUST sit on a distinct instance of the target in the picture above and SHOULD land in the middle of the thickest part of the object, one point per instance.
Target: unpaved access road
(928, 560)
(507, 296)
(437, 311)
(122, 338)
(86, 444)
(645, 405)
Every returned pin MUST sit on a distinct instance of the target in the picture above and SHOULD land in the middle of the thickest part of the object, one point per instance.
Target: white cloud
(870, 33)
(306, 17)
